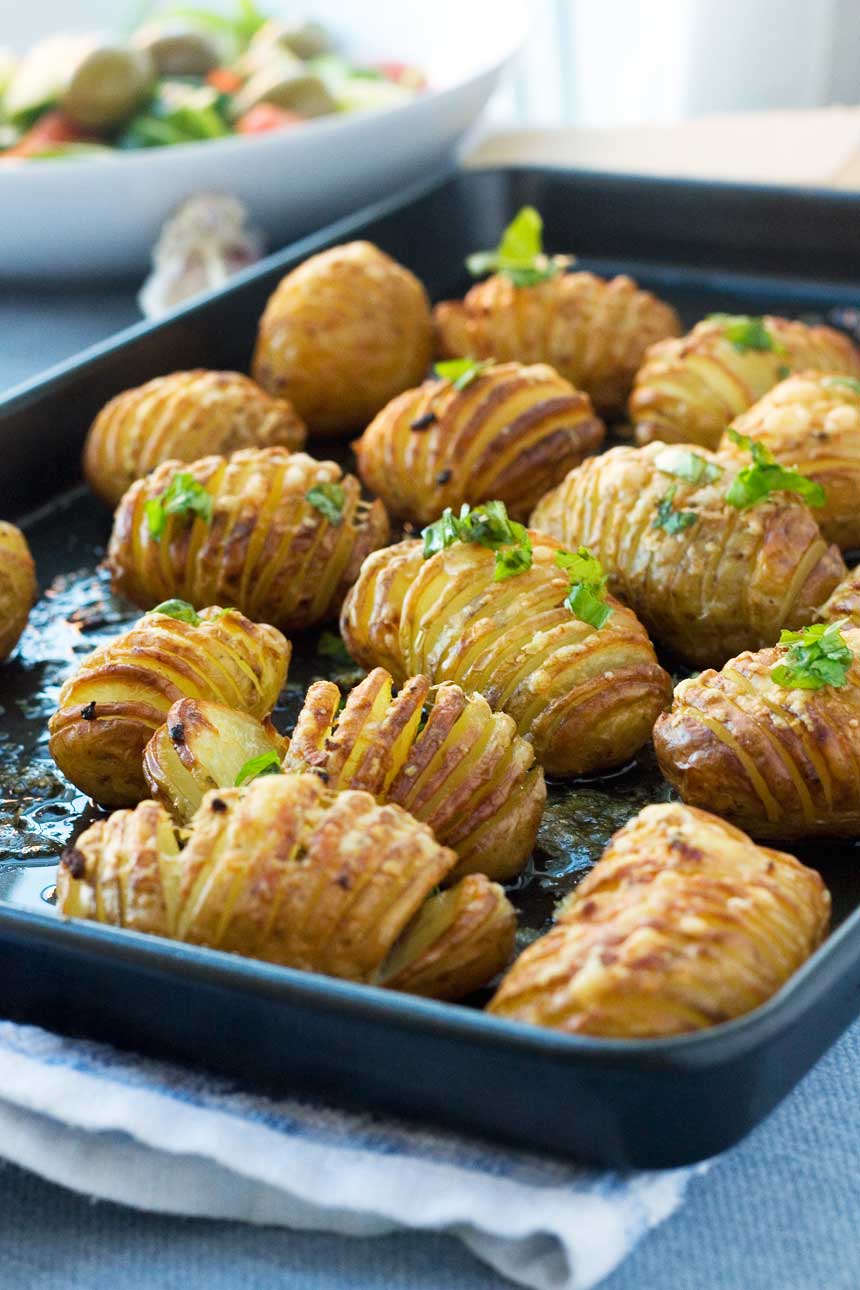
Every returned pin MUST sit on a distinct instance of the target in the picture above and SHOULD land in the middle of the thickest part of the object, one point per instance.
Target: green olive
(299, 92)
(108, 87)
(177, 51)
(306, 39)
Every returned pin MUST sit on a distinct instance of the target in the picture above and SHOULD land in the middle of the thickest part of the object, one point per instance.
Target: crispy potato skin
(181, 417)
(730, 582)
(18, 587)
(511, 434)
(812, 422)
(682, 924)
(585, 699)
(779, 763)
(342, 334)
(267, 550)
(466, 772)
(109, 708)
(845, 600)
(688, 390)
(594, 332)
(287, 871)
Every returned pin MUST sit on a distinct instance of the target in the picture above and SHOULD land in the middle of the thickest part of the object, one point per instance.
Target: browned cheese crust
(729, 582)
(181, 417)
(845, 601)
(109, 708)
(18, 587)
(342, 334)
(287, 871)
(684, 923)
(511, 434)
(781, 763)
(586, 699)
(267, 550)
(688, 390)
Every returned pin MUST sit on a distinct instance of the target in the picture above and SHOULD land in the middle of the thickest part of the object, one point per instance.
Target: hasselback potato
(844, 603)
(585, 697)
(277, 534)
(688, 390)
(18, 588)
(682, 924)
(594, 332)
(511, 432)
(812, 422)
(708, 578)
(342, 334)
(778, 760)
(287, 871)
(181, 417)
(121, 693)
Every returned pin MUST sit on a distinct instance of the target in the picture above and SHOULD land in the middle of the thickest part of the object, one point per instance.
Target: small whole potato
(18, 588)
(342, 335)
(682, 924)
(182, 417)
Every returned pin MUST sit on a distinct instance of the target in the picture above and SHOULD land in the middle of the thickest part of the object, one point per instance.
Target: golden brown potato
(512, 433)
(248, 530)
(342, 334)
(585, 698)
(18, 588)
(594, 332)
(688, 390)
(845, 601)
(287, 871)
(111, 705)
(779, 762)
(682, 924)
(728, 581)
(812, 422)
(181, 417)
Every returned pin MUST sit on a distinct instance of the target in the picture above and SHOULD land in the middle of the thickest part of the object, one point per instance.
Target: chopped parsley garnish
(765, 476)
(330, 645)
(746, 333)
(683, 464)
(817, 656)
(586, 599)
(267, 763)
(179, 609)
(183, 496)
(460, 372)
(519, 256)
(488, 525)
(329, 499)
(850, 381)
(670, 520)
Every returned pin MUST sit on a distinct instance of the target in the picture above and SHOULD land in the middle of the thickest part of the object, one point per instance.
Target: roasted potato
(708, 579)
(512, 432)
(585, 698)
(111, 705)
(277, 534)
(18, 589)
(288, 871)
(812, 422)
(688, 390)
(778, 761)
(181, 417)
(594, 332)
(342, 334)
(682, 924)
(845, 601)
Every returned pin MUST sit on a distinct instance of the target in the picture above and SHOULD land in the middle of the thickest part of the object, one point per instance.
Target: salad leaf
(180, 610)
(488, 525)
(765, 476)
(687, 465)
(746, 333)
(519, 255)
(267, 763)
(586, 599)
(183, 496)
(817, 656)
(461, 372)
(329, 499)
(670, 520)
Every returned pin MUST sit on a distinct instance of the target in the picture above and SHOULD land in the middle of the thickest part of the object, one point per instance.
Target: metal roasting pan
(653, 1103)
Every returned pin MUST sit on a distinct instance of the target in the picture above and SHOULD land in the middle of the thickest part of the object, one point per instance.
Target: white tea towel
(160, 1137)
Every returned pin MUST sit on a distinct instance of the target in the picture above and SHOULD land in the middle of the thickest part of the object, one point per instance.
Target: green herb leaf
(330, 645)
(488, 525)
(329, 499)
(817, 656)
(586, 599)
(519, 255)
(765, 476)
(179, 609)
(267, 763)
(461, 372)
(670, 520)
(850, 381)
(183, 496)
(683, 464)
(746, 333)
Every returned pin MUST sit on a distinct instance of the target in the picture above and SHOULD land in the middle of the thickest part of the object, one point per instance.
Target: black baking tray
(629, 1103)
